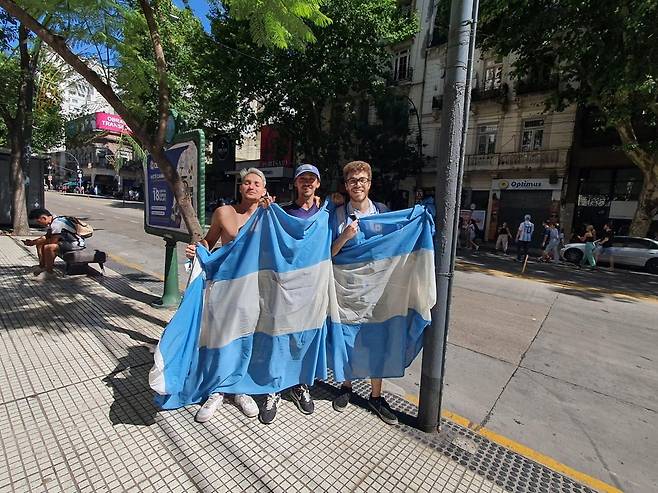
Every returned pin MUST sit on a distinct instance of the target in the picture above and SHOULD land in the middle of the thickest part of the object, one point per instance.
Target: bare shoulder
(224, 212)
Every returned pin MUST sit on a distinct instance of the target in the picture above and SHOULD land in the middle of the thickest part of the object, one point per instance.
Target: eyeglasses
(361, 181)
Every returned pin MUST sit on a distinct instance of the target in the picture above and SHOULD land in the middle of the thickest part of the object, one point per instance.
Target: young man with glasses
(358, 177)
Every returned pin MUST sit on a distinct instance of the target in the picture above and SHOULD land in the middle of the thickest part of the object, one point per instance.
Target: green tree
(320, 95)
(18, 74)
(100, 22)
(604, 54)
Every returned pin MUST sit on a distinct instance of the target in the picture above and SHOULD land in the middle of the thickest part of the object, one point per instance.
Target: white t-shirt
(63, 226)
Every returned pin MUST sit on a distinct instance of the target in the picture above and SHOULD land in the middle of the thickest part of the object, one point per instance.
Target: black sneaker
(302, 398)
(382, 409)
(268, 413)
(343, 399)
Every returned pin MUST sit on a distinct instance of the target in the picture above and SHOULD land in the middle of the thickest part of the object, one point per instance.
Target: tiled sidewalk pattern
(76, 412)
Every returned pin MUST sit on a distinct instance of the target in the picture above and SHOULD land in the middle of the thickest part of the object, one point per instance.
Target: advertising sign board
(111, 123)
(162, 215)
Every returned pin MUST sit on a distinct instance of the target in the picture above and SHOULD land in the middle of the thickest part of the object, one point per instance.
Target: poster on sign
(162, 216)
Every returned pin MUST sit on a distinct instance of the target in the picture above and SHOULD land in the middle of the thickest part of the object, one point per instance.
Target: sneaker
(38, 270)
(340, 403)
(382, 409)
(209, 407)
(45, 276)
(301, 396)
(268, 413)
(246, 404)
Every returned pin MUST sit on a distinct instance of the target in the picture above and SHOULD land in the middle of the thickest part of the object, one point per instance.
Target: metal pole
(447, 184)
(171, 296)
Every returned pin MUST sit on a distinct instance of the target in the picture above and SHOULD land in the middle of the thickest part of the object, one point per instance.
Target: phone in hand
(353, 217)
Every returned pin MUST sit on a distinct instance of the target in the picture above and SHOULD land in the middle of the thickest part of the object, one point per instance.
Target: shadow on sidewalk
(133, 399)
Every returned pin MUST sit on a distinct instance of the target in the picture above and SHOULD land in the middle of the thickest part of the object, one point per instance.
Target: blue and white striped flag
(385, 288)
(254, 317)
(269, 310)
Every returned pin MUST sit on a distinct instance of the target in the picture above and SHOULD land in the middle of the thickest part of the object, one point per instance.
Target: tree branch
(58, 44)
(161, 66)
(639, 156)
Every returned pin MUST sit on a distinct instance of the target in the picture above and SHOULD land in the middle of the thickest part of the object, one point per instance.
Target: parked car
(626, 250)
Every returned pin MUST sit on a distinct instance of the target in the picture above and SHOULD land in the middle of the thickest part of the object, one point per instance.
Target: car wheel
(573, 255)
(652, 265)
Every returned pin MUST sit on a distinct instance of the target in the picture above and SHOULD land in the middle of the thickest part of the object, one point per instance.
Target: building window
(401, 66)
(493, 76)
(486, 139)
(533, 135)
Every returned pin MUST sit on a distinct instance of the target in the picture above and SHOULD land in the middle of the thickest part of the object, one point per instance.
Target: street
(561, 361)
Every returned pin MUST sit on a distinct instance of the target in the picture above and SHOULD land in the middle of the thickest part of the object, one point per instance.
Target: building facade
(517, 153)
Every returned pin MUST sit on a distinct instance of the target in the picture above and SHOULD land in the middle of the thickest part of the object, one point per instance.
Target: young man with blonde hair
(226, 222)
(358, 178)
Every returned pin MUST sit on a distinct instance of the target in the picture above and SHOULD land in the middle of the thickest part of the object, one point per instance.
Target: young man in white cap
(307, 181)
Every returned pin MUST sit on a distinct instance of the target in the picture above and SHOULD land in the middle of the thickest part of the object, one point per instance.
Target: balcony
(497, 94)
(552, 159)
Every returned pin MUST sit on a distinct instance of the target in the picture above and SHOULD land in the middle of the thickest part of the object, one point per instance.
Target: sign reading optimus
(162, 216)
(111, 123)
(526, 184)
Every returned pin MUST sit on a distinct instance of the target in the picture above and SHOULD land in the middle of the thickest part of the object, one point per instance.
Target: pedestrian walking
(524, 237)
(471, 234)
(502, 240)
(605, 244)
(589, 238)
(552, 248)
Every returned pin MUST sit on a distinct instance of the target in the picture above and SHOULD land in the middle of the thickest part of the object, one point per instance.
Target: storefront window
(628, 184)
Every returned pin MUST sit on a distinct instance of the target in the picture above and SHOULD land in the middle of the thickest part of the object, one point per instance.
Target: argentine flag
(255, 315)
(270, 309)
(385, 288)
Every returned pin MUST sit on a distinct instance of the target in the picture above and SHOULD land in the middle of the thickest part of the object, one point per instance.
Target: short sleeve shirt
(63, 227)
(341, 216)
(297, 211)
(526, 228)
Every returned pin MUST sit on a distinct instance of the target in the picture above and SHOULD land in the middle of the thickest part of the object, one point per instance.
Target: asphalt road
(559, 360)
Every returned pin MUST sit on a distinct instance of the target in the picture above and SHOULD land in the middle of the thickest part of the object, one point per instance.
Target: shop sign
(526, 184)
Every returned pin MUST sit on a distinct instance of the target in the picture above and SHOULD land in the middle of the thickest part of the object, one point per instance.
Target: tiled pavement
(76, 414)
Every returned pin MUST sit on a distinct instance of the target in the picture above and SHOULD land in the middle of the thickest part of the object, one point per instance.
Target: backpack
(82, 229)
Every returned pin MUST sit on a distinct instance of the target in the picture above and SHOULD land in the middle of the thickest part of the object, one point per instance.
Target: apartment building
(517, 154)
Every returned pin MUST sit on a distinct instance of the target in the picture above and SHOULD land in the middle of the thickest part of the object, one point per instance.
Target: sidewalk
(76, 414)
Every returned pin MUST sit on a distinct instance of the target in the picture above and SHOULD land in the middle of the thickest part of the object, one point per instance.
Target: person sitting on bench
(60, 237)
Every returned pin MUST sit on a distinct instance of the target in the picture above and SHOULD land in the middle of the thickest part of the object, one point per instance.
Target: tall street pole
(454, 118)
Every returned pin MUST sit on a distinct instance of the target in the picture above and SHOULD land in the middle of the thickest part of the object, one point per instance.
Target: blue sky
(200, 8)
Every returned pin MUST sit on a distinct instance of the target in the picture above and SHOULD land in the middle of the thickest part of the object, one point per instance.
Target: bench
(77, 261)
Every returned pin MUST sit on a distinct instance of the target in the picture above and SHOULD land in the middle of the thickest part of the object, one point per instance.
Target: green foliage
(280, 23)
(183, 40)
(604, 53)
(317, 95)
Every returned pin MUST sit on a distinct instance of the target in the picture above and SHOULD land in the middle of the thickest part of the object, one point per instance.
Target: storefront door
(514, 204)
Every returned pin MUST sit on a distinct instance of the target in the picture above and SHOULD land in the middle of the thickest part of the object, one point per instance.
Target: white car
(625, 250)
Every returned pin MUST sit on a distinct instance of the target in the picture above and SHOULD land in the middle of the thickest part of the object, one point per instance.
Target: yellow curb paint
(524, 451)
(122, 261)
(573, 287)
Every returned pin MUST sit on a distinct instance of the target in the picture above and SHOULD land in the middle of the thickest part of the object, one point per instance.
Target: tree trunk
(647, 204)
(59, 46)
(18, 202)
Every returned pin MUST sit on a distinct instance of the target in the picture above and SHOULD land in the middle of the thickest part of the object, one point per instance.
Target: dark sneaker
(382, 409)
(268, 413)
(302, 398)
(343, 399)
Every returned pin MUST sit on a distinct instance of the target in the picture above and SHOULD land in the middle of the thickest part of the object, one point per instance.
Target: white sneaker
(45, 276)
(246, 404)
(209, 407)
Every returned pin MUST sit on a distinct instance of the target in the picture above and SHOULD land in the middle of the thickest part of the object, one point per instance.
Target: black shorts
(69, 246)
